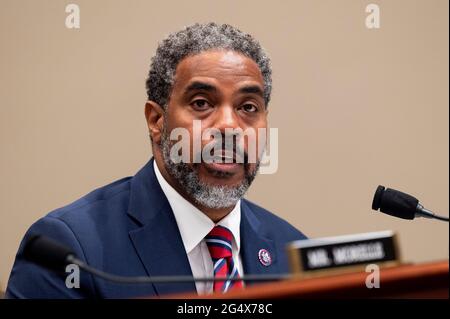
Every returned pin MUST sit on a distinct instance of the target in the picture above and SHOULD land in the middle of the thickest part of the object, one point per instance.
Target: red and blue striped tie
(219, 245)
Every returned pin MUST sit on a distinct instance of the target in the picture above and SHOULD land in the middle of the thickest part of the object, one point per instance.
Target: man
(177, 217)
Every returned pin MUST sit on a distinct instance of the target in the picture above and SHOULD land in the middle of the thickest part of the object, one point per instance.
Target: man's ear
(154, 114)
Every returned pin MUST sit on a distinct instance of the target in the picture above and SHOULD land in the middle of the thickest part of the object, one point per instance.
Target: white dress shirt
(194, 226)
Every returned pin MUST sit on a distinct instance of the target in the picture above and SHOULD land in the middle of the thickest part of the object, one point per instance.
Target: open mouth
(224, 161)
(227, 157)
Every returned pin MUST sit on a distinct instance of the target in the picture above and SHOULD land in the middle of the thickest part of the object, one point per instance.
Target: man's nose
(226, 117)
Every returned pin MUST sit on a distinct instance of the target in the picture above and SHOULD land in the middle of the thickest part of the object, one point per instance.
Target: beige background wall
(355, 108)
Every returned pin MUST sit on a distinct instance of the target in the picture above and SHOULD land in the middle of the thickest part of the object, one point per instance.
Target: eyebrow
(252, 89)
(200, 86)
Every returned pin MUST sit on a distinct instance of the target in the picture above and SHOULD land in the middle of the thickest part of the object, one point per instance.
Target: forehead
(222, 67)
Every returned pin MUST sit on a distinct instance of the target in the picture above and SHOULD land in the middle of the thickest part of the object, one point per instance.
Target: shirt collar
(193, 224)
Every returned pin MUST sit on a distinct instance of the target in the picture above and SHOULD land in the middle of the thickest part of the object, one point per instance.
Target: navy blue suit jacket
(128, 228)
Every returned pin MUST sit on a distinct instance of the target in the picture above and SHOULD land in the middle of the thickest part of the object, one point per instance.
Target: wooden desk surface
(428, 280)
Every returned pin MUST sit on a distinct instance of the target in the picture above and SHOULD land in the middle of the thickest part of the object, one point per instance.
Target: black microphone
(47, 253)
(50, 254)
(402, 205)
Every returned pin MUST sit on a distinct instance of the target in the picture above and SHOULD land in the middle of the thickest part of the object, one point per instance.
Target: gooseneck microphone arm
(402, 205)
(168, 279)
(51, 254)
(423, 212)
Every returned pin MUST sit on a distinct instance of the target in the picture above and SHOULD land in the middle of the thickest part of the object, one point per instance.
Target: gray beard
(210, 196)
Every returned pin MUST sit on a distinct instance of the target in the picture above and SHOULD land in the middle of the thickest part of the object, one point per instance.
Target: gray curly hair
(195, 39)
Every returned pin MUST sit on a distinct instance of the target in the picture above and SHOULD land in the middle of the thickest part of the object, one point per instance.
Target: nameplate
(327, 255)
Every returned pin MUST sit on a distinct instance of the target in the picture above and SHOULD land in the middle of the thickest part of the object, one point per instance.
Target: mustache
(221, 149)
(226, 151)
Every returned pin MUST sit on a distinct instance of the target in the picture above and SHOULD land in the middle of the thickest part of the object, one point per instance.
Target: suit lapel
(157, 239)
(254, 244)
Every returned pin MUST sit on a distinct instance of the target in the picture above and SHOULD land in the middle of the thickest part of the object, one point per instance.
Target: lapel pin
(264, 257)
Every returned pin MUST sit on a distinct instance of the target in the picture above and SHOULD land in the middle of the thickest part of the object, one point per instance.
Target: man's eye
(200, 104)
(249, 108)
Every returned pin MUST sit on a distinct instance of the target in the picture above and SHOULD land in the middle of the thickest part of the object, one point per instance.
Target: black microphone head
(395, 203)
(46, 252)
(377, 197)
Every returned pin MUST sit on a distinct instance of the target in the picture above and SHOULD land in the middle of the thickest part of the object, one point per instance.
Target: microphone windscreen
(47, 252)
(395, 203)
(377, 197)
